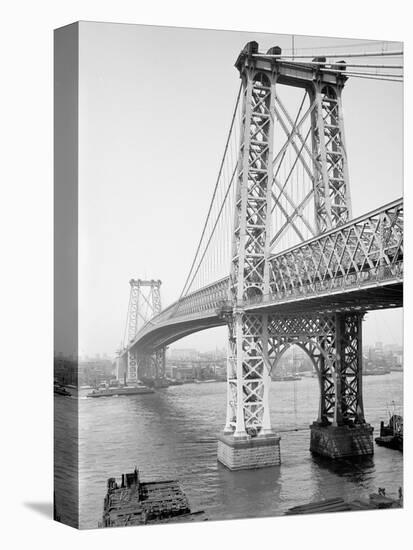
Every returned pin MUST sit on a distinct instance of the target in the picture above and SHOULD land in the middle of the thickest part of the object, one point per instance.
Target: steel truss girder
(368, 248)
(369, 252)
(206, 299)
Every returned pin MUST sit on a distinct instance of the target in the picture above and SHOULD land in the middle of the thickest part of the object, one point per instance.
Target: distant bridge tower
(144, 303)
(257, 340)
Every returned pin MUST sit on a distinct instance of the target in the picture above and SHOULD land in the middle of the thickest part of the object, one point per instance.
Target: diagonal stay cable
(291, 171)
(215, 191)
(292, 132)
(349, 54)
(291, 217)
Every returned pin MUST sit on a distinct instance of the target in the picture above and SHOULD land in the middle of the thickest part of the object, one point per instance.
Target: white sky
(155, 108)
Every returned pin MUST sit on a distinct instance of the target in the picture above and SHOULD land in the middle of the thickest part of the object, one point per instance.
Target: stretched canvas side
(66, 462)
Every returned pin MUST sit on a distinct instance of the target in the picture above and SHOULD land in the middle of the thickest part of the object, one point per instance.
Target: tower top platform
(291, 73)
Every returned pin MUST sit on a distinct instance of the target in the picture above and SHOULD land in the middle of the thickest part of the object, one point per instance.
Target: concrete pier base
(341, 441)
(249, 453)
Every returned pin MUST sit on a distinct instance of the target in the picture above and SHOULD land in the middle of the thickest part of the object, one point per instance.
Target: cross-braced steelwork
(301, 270)
(364, 252)
(144, 304)
(332, 196)
(248, 373)
(251, 342)
(316, 335)
(333, 343)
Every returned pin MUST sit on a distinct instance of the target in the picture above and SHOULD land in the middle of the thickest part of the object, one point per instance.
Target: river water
(171, 434)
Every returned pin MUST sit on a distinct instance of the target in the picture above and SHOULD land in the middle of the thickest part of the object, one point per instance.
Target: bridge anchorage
(312, 293)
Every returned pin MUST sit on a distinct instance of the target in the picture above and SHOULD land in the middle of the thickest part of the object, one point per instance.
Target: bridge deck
(356, 266)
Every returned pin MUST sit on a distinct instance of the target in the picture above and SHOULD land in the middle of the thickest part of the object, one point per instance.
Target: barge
(133, 502)
(121, 390)
(376, 501)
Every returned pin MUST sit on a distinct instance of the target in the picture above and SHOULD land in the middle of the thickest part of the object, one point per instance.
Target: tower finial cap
(275, 50)
(250, 47)
(248, 50)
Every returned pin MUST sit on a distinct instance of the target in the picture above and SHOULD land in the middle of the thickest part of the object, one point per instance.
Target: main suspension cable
(309, 56)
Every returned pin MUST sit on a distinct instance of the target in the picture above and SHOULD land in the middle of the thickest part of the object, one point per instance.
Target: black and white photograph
(228, 275)
(205, 326)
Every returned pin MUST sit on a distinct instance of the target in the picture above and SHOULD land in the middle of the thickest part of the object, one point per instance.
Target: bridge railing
(204, 300)
(346, 282)
(367, 249)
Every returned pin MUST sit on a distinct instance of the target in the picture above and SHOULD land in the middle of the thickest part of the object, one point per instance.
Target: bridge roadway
(356, 266)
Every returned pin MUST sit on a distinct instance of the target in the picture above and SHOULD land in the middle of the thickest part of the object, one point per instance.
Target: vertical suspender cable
(214, 193)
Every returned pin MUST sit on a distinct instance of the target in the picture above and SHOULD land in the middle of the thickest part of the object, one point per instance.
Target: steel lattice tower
(144, 303)
(257, 341)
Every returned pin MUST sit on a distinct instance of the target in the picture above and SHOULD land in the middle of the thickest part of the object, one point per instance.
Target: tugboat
(391, 436)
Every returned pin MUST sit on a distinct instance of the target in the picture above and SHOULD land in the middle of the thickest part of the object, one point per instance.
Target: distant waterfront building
(399, 359)
(93, 373)
(183, 353)
(65, 370)
(295, 360)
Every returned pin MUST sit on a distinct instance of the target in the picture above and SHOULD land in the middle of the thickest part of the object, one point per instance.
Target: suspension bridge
(281, 260)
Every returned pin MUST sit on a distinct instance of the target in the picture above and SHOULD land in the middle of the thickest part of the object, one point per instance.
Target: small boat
(391, 436)
(60, 390)
(122, 390)
(376, 372)
(286, 378)
(175, 382)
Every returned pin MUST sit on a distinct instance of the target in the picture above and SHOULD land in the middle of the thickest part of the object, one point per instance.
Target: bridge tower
(257, 340)
(144, 303)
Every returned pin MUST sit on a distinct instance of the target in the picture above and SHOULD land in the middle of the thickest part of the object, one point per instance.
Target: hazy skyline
(154, 110)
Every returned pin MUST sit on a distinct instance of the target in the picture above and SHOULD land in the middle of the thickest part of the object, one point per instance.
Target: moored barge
(376, 501)
(121, 390)
(133, 502)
